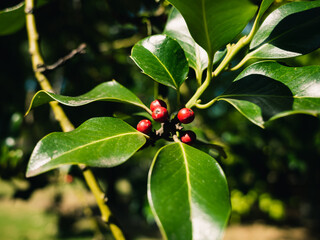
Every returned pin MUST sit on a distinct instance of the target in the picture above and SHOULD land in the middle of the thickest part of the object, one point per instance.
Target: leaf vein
(94, 142)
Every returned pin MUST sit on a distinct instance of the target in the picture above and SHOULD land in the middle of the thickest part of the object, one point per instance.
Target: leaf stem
(66, 125)
(204, 106)
(199, 77)
(203, 87)
(241, 63)
(232, 50)
(247, 41)
(101, 201)
(155, 90)
(175, 138)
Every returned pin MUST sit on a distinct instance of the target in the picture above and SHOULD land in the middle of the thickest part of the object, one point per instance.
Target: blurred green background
(273, 173)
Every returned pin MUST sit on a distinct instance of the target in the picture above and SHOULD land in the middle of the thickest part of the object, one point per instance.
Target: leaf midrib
(93, 142)
(263, 44)
(204, 17)
(187, 178)
(165, 68)
(90, 100)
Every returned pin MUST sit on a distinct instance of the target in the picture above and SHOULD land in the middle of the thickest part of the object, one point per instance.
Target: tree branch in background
(60, 115)
(63, 60)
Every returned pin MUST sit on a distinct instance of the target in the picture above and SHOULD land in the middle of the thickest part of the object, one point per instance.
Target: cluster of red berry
(160, 114)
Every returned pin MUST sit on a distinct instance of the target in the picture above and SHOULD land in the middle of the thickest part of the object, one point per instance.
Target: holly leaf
(107, 91)
(265, 4)
(12, 19)
(197, 57)
(268, 90)
(177, 29)
(98, 142)
(161, 58)
(289, 31)
(188, 193)
(213, 24)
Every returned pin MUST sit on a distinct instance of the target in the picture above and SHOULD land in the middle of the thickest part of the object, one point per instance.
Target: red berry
(157, 103)
(160, 114)
(144, 126)
(185, 115)
(188, 137)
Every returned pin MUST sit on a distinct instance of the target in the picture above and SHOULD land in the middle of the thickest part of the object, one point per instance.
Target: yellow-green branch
(232, 50)
(66, 125)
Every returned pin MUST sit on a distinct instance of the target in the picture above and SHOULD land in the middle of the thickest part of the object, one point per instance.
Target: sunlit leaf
(197, 57)
(108, 91)
(213, 24)
(177, 29)
(161, 58)
(188, 193)
(265, 4)
(98, 142)
(289, 31)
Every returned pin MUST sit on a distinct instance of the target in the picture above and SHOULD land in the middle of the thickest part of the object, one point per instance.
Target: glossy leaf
(268, 90)
(213, 24)
(108, 91)
(161, 58)
(99, 142)
(289, 31)
(12, 19)
(197, 57)
(188, 193)
(177, 29)
(265, 4)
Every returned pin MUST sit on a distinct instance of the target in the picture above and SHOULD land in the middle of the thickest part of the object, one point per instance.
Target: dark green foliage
(187, 188)
(161, 58)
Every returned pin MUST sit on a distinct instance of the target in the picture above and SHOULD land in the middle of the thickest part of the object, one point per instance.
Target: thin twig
(63, 60)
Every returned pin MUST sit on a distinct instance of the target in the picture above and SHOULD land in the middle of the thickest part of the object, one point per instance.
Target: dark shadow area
(271, 96)
(297, 32)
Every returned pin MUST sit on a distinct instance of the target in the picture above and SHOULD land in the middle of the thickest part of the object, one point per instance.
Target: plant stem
(155, 89)
(199, 77)
(232, 51)
(66, 125)
(246, 41)
(204, 106)
(203, 87)
(101, 201)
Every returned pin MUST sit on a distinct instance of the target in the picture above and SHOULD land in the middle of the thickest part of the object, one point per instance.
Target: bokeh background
(273, 173)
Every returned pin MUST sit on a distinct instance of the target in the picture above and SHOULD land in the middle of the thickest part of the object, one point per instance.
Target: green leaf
(161, 58)
(98, 142)
(177, 29)
(188, 193)
(197, 57)
(289, 31)
(12, 19)
(213, 24)
(263, 8)
(268, 90)
(107, 91)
